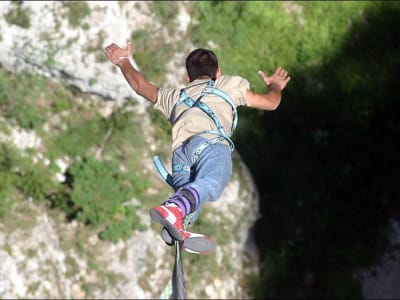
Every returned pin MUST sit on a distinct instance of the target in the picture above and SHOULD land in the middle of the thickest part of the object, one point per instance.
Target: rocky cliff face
(42, 255)
(54, 43)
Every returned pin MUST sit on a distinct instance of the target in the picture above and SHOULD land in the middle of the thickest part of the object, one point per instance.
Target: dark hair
(201, 62)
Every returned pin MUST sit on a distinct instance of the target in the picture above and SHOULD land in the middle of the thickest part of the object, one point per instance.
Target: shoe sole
(196, 244)
(157, 217)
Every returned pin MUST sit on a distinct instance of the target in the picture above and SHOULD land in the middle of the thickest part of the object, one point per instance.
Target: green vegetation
(325, 161)
(152, 48)
(37, 99)
(165, 13)
(18, 15)
(76, 12)
(7, 180)
(99, 194)
(28, 112)
(51, 54)
(105, 153)
(20, 178)
(151, 53)
(100, 57)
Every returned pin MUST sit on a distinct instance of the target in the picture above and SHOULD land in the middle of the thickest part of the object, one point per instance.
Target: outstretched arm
(120, 57)
(270, 100)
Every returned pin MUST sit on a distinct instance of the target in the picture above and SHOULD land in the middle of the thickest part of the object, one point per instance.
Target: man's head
(202, 62)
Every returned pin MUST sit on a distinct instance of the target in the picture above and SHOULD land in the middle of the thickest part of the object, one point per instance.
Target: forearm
(274, 96)
(267, 101)
(270, 100)
(137, 81)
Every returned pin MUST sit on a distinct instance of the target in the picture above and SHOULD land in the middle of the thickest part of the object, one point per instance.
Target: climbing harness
(186, 99)
(175, 288)
(162, 170)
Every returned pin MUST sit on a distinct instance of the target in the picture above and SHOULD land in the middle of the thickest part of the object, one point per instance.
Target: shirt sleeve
(242, 89)
(166, 99)
(236, 87)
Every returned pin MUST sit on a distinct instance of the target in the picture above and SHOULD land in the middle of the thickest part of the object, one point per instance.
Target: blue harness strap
(162, 170)
(223, 95)
(185, 98)
(221, 135)
(204, 146)
(181, 167)
(175, 288)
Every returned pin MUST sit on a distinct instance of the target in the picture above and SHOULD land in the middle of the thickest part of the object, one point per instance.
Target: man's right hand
(115, 54)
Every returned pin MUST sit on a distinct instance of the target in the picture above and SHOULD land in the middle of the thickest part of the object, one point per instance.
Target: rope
(175, 288)
(178, 279)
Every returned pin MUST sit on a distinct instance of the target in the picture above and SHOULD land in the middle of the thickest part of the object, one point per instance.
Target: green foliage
(99, 196)
(6, 203)
(29, 100)
(126, 136)
(318, 161)
(87, 131)
(294, 34)
(161, 125)
(119, 230)
(98, 190)
(19, 174)
(61, 101)
(8, 179)
(51, 53)
(152, 50)
(28, 116)
(28, 112)
(151, 53)
(7, 195)
(275, 277)
(165, 12)
(77, 11)
(35, 181)
(325, 163)
(79, 137)
(18, 15)
(94, 48)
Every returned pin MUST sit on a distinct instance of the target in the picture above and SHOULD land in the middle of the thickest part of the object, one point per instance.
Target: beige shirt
(193, 121)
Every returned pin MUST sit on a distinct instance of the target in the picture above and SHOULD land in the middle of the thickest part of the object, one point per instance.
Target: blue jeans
(208, 175)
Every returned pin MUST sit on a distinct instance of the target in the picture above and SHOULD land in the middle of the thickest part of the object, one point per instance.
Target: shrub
(7, 201)
(21, 102)
(8, 179)
(97, 190)
(18, 15)
(121, 229)
(79, 137)
(99, 195)
(77, 11)
(19, 174)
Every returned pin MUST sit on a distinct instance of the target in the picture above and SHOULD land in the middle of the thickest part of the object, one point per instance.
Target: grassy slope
(326, 192)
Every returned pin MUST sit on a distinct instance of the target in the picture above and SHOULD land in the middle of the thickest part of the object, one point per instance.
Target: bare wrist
(121, 59)
(274, 86)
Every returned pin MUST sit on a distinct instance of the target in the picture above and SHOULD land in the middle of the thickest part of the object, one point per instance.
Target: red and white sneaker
(171, 217)
(196, 243)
